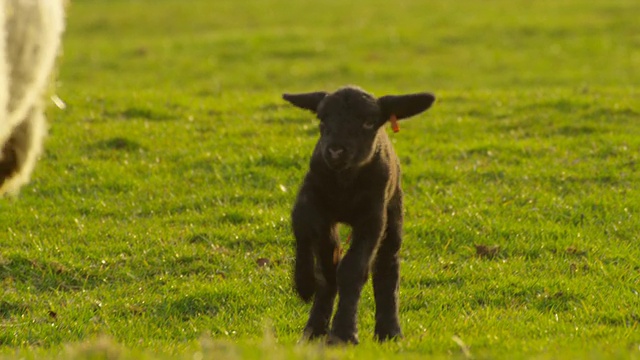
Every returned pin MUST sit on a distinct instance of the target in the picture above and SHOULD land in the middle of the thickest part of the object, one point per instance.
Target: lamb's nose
(336, 151)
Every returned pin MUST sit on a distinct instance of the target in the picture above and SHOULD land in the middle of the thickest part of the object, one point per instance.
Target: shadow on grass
(201, 303)
(9, 308)
(517, 296)
(42, 276)
(117, 143)
(140, 113)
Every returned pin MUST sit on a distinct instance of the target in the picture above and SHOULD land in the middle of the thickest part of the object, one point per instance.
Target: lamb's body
(354, 178)
(342, 193)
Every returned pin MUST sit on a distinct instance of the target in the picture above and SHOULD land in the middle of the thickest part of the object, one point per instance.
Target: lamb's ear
(404, 106)
(308, 101)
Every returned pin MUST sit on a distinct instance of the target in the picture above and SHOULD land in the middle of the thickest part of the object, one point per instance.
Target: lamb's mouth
(337, 164)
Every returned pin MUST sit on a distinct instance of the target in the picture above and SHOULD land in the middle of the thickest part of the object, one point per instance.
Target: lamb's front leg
(352, 273)
(386, 275)
(315, 271)
(325, 275)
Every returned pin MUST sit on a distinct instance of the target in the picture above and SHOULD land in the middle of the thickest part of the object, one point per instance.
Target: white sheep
(30, 33)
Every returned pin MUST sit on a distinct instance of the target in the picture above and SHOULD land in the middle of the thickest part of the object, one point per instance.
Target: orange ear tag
(394, 123)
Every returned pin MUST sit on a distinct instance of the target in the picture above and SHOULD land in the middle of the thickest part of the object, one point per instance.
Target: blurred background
(203, 47)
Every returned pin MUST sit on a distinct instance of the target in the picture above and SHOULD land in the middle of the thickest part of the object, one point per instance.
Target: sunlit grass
(157, 222)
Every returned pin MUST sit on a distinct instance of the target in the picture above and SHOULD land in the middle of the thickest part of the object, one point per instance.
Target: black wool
(353, 178)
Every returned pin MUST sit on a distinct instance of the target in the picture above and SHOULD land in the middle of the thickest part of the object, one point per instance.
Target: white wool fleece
(30, 32)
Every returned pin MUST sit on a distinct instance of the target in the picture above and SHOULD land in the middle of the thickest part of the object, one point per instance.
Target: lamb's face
(349, 124)
(350, 120)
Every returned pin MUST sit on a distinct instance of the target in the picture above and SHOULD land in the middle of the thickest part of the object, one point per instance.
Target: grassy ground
(156, 224)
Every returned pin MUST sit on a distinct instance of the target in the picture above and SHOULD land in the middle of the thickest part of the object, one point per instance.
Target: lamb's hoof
(386, 333)
(388, 336)
(305, 287)
(309, 334)
(338, 340)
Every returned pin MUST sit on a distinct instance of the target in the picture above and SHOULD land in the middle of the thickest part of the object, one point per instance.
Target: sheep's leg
(352, 273)
(8, 161)
(326, 287)
(315, 271)
(386, 276)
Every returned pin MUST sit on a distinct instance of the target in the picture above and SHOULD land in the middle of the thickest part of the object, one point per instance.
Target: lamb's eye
(369, 125)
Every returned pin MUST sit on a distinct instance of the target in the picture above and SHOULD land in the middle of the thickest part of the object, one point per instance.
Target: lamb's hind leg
(352, 273)
(386, 278)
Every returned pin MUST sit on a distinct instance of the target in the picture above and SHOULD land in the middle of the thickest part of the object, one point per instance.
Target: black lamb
(354, 178)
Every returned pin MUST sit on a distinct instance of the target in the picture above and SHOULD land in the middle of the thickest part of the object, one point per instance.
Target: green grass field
(157, 222)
